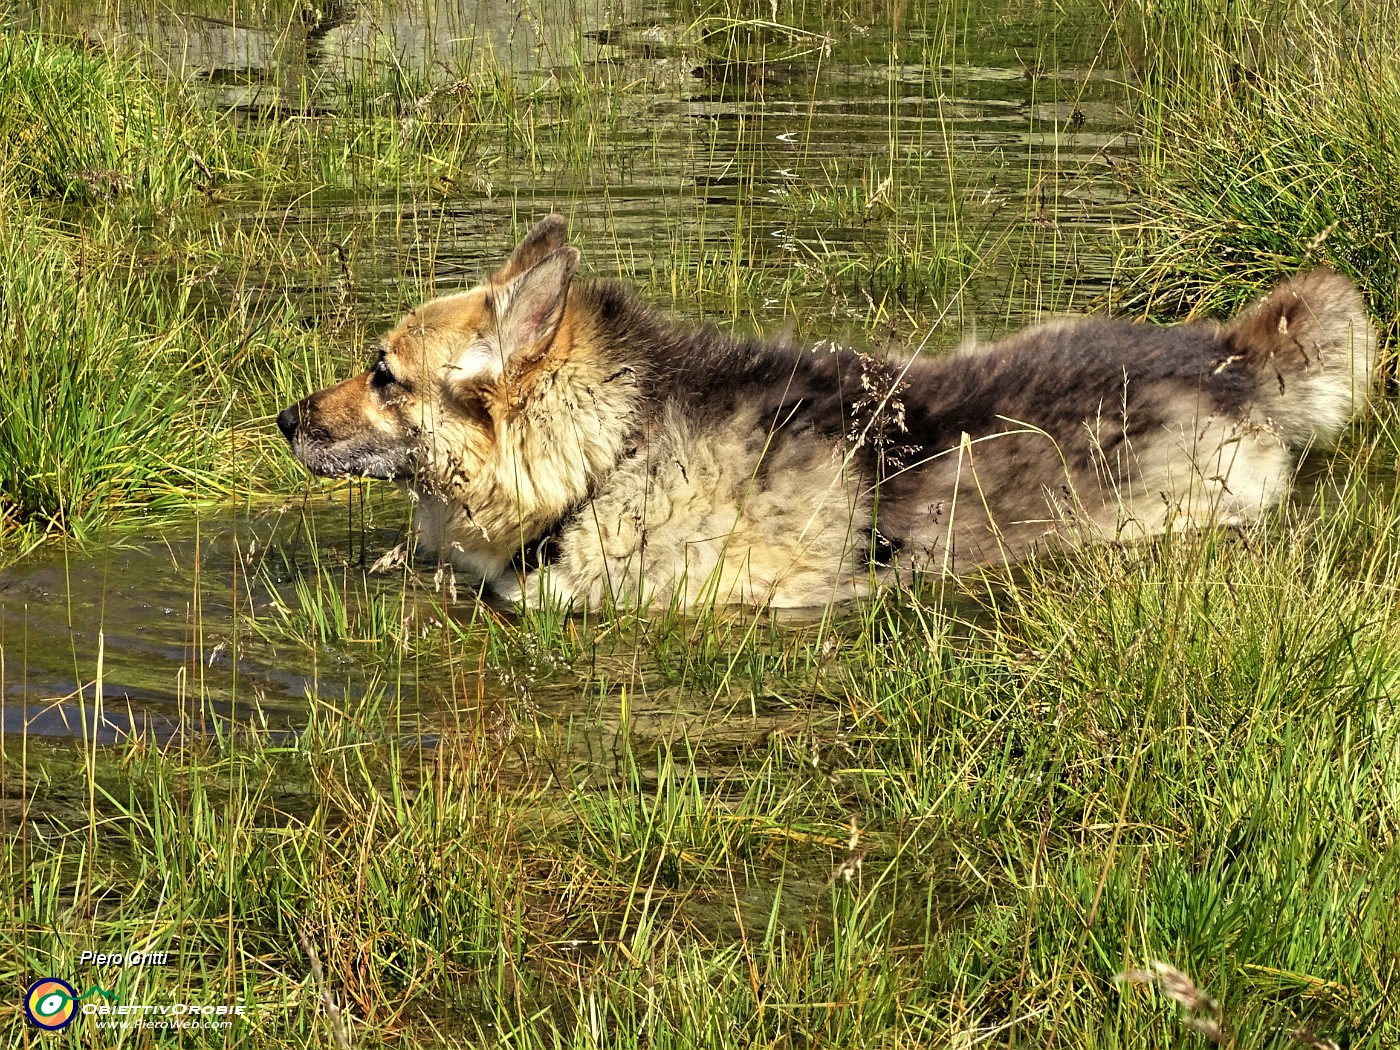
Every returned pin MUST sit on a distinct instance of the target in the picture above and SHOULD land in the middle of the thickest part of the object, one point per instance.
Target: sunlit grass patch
(1268, 134)
(124, 391)
(98, 411)
(972, 814)
(88, 126)
(328, 610)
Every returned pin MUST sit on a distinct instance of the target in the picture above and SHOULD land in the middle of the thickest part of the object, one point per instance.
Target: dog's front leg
(541, 588)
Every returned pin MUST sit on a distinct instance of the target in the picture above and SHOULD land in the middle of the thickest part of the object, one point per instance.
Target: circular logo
(51, 1004)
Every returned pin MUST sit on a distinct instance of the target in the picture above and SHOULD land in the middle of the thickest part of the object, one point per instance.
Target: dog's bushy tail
(1312, 350)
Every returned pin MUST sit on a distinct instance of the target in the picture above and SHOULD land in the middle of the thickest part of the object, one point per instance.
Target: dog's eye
(382, 375)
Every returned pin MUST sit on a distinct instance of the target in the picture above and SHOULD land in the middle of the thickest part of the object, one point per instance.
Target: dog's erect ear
(524, 313)
(529, 309)
(547, 237)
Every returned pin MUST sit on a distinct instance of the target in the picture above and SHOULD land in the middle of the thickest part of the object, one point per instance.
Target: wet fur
(667, 462)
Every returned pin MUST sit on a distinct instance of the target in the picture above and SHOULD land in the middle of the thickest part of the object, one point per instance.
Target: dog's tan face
(430, 412)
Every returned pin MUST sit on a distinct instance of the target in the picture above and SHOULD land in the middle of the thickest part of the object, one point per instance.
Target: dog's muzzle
(362, 454)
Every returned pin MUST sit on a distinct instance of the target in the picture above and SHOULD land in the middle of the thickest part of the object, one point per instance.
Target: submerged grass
(944, 817)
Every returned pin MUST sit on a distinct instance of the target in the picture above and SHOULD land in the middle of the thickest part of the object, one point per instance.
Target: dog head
(431, 410)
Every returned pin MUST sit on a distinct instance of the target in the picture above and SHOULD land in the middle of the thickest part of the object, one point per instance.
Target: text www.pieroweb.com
(176, 1016)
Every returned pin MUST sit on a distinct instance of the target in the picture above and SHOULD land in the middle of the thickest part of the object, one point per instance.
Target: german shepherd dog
(564, 442)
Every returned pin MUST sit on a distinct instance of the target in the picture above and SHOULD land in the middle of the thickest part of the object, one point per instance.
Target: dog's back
(790, 475)
(1102, 428)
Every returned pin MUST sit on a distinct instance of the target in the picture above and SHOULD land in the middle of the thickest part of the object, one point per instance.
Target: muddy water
(997, 128)
(144, 638)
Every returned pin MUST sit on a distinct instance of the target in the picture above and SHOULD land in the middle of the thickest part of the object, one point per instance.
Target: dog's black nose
(287, 421)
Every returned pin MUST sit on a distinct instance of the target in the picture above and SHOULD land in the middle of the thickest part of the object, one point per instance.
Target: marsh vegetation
(381, 812)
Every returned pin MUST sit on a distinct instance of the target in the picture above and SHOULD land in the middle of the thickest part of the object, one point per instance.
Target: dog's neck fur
(569, 415)
(563, 421)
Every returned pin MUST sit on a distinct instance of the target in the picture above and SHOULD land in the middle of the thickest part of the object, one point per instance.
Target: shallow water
(208, 632)
(990, 137)
(988, 141)
(144, 638)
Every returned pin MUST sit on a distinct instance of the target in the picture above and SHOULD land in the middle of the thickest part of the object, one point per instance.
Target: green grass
(97, 411)
(946, 817)
(126, 393)
(83, 127)
(1180, 752)
(1268, 145)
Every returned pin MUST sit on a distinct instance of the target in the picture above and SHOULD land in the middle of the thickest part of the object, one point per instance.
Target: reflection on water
(302, 59)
